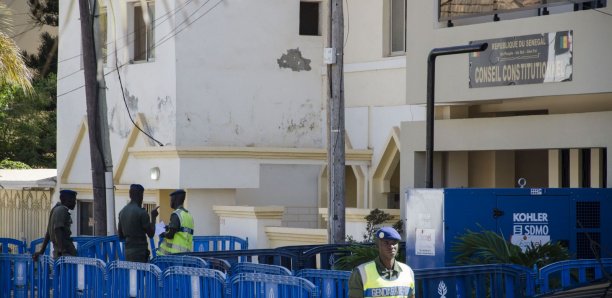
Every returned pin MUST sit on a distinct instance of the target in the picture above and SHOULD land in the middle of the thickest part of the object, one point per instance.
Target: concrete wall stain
(293, 60)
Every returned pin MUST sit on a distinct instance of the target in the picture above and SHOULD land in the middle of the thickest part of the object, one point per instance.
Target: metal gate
(24, 213)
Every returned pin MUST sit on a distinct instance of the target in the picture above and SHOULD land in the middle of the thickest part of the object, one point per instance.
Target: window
(86, 220)
(397, 27)
(309, 18)
(143, 27)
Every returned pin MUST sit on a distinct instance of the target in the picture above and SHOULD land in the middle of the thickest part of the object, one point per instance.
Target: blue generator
(580, 218)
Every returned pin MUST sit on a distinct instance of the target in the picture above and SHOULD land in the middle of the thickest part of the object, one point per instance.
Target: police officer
(384, 276)
(179, 233)
(135, 226)
(58, 228)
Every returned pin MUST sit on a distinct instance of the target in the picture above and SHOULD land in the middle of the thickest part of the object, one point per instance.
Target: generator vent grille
(587, 245)
(587, 215)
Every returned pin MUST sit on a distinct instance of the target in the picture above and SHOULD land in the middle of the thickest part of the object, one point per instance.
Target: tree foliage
(13, 70)
(45, 61)
(13, 165)
(488, 247)
(28, 123)
(45, 12)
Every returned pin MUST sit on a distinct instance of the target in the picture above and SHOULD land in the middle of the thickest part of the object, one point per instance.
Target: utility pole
(335, 123)
(86, 12)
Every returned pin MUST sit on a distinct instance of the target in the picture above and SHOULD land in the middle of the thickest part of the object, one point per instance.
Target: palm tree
(12, 67)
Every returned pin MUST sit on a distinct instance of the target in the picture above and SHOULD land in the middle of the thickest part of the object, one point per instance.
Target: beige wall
(584, 130)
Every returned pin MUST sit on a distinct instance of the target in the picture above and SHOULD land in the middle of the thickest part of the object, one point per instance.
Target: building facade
(540, 113)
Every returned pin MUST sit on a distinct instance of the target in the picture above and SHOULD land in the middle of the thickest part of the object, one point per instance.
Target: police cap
(136, 187)
(67, 193)
(388, 233)
(177, 192)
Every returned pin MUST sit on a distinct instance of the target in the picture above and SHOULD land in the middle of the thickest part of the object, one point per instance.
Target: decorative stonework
(265, 212)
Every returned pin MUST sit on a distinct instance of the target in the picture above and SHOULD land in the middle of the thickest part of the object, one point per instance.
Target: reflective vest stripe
(376, 286)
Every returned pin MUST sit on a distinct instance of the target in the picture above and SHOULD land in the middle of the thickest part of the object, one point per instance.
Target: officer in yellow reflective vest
(179, 232)
(384, 276)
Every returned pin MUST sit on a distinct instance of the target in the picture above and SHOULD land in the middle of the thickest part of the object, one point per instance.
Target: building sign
(519, 60)
(529, 229)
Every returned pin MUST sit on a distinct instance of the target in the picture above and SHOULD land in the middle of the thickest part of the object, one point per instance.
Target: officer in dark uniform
(58, 228)
(135, 226)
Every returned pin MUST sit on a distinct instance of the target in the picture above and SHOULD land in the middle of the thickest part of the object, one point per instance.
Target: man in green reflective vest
(178, 236)
(384, 276)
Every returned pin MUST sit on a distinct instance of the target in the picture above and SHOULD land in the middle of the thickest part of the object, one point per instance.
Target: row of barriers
(188, 276)
(88, 277)
(110, 248)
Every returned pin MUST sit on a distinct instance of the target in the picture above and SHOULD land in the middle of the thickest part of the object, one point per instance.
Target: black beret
(136, 187)
(177, 192)
(68, 193)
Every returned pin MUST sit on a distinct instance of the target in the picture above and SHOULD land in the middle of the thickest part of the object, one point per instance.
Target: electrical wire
(123, 92)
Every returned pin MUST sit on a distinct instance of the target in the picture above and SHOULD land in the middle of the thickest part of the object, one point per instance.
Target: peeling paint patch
(293, 59)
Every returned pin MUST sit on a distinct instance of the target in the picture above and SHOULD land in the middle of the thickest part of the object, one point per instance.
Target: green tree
(13, 70)
(28, 123)
(45, 61)
(14, 165)
(44, 12)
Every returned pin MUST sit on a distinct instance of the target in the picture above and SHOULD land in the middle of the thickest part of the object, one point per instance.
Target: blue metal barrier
(193, 282)
(79, 277)
(572, 273)
(10, 245)
(498, 280)
(107, 249)
(15, 275)
(331, 283)
(217, 264)
(130, 279)
(164, 262)
(257, 285)
(42, 277)
(77, 240)
(219, 243)
(263, 256)
(246, 267)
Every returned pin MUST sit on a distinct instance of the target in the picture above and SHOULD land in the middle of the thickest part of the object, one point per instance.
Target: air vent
(587, 245)
(587, 215)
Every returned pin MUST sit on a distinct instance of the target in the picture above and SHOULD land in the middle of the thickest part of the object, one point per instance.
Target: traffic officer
(179, 232)
(384, 276)
(58, 228)
(135, 226)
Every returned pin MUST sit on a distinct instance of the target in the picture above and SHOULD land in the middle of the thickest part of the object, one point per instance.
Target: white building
(233, 90)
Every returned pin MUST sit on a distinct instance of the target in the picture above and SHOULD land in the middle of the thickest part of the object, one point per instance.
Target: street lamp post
(431, 78)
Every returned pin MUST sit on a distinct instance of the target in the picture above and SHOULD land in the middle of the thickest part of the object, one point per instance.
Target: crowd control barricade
(496, 280)
(77, 240)
(258, 268)
(261, 256)
(107, 249)
(12, 246)
(15, 275)
(79, 277)
(258, 285)
(331, 283)
(166, 261)
(193, 282)
(217, 264)
(42, 274)
(218, 243)
(131, 279)
(573, 273)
